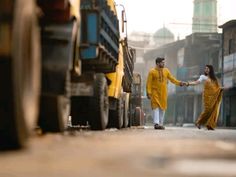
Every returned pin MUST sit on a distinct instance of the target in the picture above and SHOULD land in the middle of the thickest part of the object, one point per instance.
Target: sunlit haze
(150, 15)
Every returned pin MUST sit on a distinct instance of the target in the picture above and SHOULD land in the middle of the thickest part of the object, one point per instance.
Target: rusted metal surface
(55, 10)
(6, 8)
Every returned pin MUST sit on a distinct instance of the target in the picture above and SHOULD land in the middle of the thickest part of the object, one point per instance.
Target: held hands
(149, 96)
(182, 83)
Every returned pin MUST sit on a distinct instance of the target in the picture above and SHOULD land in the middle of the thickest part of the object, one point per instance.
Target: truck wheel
(126, 111)
(116, 116)
(99, 104)
(24, 79)
(137, 117)
(54, 113)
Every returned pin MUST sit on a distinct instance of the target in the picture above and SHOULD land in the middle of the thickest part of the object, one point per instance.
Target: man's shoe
(162, 127)
(159, 127)
(156, 126)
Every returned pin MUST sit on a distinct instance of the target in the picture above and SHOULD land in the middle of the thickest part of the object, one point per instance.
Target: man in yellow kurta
(157, 90)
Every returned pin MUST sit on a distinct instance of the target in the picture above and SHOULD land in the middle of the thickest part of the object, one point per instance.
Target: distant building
(204, 16)
(139, 41)
(163, 36)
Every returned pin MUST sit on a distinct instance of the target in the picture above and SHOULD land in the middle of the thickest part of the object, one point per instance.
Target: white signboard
(180, 57)
(228, 63)
(228, 80)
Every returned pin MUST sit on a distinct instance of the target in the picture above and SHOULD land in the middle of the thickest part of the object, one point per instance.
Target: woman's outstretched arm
(193, 82)
(201, 79)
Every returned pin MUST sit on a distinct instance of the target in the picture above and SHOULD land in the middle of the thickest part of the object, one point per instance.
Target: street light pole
(222, 76)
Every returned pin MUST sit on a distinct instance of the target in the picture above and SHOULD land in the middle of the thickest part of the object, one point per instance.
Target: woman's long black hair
(212, 73)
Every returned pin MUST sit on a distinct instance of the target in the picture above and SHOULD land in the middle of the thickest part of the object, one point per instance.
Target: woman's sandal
(198, 126)
(210, 128)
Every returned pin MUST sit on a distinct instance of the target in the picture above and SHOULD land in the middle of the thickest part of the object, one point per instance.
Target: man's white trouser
(158, 116)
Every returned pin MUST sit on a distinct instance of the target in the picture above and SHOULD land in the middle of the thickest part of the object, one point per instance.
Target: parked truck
(103, 88)
(61, 58)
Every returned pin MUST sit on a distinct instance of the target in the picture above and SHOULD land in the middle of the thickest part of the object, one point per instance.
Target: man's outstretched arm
(174, 80)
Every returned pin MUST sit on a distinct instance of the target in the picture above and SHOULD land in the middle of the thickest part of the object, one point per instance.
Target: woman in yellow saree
(212, 95)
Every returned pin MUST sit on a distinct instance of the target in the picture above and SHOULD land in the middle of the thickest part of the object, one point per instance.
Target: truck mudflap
(55, 10)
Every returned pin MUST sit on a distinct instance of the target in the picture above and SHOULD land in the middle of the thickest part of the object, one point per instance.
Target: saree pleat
(212, 96)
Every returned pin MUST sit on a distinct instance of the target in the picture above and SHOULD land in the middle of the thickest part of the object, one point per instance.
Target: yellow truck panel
(115, 88)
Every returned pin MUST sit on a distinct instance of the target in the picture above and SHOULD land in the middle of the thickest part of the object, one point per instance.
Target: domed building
(163, 36)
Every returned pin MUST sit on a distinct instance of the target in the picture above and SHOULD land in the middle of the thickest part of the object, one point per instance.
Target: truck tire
(137, 117)
(116, 116)
(126, 113)
(23, 69)
(54, 113)
(99, 104)
(130, 115)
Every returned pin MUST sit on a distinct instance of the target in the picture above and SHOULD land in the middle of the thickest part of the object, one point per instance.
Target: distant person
(157, 91)
(212, 95)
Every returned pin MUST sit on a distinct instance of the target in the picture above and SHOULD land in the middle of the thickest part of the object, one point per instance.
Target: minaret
(204, 16)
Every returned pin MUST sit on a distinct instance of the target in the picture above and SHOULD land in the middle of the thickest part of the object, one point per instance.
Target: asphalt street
(131, 152)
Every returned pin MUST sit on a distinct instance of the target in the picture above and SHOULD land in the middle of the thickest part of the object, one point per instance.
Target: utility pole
(222, 76)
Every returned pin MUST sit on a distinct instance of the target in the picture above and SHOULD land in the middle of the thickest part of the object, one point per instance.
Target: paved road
(133, 152)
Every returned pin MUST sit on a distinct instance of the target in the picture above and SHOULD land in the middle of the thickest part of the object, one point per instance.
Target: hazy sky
(150, 15)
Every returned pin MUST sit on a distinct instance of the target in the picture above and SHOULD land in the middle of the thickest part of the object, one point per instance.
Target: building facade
(228, 67)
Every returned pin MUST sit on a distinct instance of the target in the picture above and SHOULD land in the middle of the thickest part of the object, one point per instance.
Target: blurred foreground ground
(132, 152)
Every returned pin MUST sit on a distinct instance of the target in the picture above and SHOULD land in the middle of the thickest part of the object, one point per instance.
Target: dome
(164, 32)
